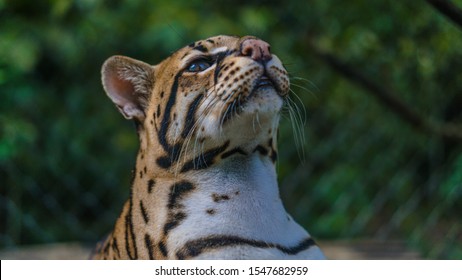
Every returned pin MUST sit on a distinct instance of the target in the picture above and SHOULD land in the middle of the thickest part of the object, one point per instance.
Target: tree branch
(389, 99)
(449, 9)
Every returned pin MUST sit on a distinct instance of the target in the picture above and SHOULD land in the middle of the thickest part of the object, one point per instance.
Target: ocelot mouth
(261, 84)
(264, 81)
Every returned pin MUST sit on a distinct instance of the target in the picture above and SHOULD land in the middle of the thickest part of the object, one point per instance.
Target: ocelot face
(222, 88)
(211, 96)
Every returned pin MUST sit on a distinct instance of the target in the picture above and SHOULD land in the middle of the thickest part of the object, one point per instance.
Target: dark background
(380, 83)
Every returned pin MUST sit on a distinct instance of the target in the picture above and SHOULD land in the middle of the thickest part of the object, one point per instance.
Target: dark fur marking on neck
(204, 160)
(129, 230)
(274, 155)
(219, 197)
(173, 221)
(178, 191)
(196, 247)
(149, 246)
(262, 150)
(115, 247)
(130, 242)
(162, 249)
(232, 152)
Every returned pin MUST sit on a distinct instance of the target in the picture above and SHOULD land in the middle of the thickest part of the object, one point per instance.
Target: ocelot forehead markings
(219, 50)
(200, 48)
(208, 46)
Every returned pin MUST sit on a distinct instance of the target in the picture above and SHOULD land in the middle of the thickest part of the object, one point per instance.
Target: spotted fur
(204, 185)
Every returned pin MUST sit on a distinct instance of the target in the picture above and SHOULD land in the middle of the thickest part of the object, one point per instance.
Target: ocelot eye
(199, 65)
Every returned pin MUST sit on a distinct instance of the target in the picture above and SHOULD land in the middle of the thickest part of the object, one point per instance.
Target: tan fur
(205, 165)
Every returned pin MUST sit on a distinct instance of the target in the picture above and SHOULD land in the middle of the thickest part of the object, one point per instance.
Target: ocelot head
(211, 97)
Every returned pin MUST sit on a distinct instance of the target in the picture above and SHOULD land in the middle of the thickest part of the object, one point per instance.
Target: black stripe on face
(191, 116)
(219, 59)
(151, 183)
(144, 213)
(196, 247)
(204, 160)
(173, 151)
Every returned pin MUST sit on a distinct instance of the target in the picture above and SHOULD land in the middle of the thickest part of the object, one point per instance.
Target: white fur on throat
(254, 209)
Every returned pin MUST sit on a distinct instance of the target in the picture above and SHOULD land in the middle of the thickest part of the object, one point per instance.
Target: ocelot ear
(129, 83)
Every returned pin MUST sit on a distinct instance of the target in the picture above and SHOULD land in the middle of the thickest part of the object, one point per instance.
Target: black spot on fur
(151, 183)
(164, 162)
(219, 198)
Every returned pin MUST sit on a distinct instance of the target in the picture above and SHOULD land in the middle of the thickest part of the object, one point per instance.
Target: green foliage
(65, 152)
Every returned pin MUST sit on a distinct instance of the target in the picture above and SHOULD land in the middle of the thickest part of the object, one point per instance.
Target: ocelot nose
(257, 49)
